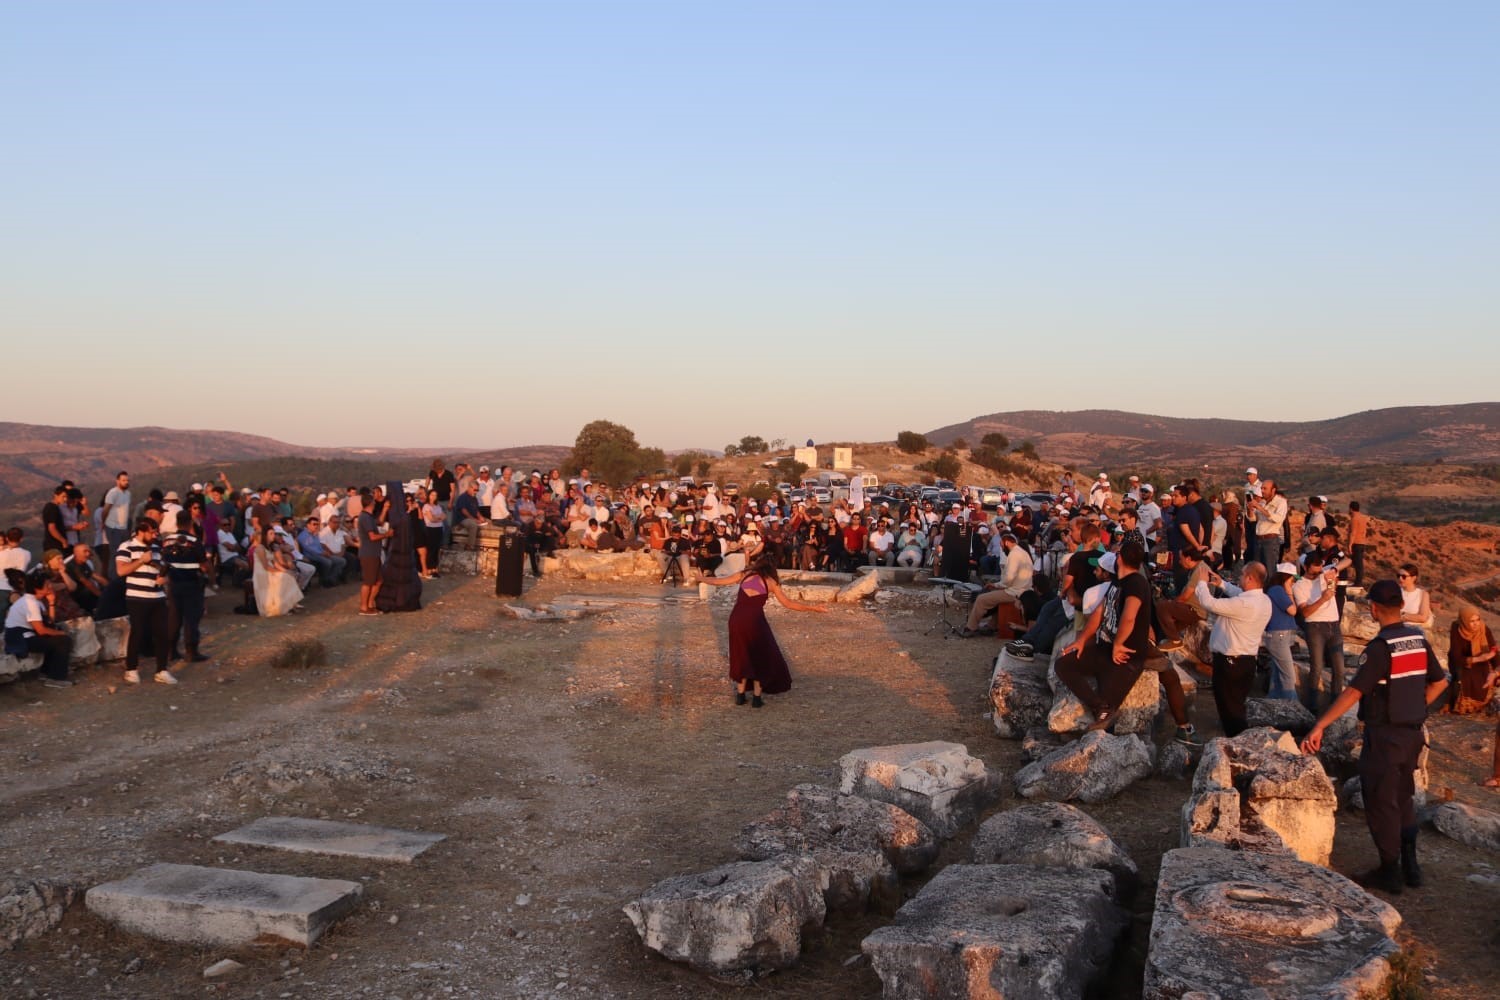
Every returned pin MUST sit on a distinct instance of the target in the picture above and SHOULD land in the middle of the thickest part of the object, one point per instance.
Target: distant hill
(35, 457)
(1468, 432)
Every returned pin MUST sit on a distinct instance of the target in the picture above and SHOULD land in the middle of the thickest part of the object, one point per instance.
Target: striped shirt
(146, 581)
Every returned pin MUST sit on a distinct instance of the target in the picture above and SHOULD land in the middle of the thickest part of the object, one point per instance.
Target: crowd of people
(1134, 570)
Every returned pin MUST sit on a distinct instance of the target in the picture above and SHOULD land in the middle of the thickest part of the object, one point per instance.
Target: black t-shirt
(674, 546)
(1135, 585)
(52, 518)
(1081, 566)
(444, 485)
(1187, 515)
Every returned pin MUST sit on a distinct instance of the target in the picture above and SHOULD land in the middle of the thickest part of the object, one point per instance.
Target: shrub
(911, 442)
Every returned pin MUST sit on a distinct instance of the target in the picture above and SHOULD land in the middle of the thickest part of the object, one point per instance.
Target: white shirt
(1307, 590)
(1217, 535)
(1148, 516)
(326, 510)
(499, 510)
(13, 558)
(333, 541)
(27, 609)
(1017, 571)
(228, 547)
(881, 541)
(486, 490)
(1268, 521)
(1239, 620)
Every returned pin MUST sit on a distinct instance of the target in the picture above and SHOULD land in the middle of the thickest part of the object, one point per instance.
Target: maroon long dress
(753, 653)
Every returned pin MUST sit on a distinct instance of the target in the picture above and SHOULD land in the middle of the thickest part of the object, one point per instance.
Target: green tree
(704, 467)
(752, 445)
(615, 462)
(731, 450)
(1027, 449)
(760, 492)
(995, 440)
(684, 463)
(947, 466)
(777, 444)
(653, 460)
(791, 470)
(911, 442)
(595, 434)
(959, 443)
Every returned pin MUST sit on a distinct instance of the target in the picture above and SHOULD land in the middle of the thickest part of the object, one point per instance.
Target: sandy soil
(570, 764)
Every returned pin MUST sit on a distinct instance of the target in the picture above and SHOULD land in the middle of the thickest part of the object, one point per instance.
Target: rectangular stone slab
(320, 836)
(188, 904)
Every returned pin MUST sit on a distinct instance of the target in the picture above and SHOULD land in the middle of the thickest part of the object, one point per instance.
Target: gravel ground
(571, 764)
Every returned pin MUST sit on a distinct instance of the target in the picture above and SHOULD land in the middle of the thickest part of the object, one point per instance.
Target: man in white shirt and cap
(1099, 493)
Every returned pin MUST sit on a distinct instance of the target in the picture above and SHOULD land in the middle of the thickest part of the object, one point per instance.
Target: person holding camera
(1314, 596)
(1267, 512)
(138, 563)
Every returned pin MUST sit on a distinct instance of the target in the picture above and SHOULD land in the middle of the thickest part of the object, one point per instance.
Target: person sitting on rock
(1111, 650)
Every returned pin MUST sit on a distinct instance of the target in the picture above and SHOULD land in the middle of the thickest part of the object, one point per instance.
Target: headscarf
(1471, 628)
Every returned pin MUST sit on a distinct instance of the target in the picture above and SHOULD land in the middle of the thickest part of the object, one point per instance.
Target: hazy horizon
(378, 222)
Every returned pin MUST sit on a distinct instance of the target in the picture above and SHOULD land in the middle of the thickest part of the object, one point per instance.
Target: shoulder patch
(1362, 658)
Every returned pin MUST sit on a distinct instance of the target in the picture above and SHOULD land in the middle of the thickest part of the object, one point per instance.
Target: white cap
(1251, 471)
(322, 496)
(197, 487)
(1288, 568)
(1103, 477)
(1108, 562)
(984, 529)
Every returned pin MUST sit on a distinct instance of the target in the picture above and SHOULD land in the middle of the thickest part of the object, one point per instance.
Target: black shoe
(1386, 878)
(197, 657)
(1410, 870)
(739, 697)
(755, 702)
(1020, 650)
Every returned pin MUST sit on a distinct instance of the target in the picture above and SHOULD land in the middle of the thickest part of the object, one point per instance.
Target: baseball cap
(172, 495)
(1107, 562)
(322, 496)
(1288, 568)
(1251, 471)
(197, 487)
(984, 529)
(1386, 593)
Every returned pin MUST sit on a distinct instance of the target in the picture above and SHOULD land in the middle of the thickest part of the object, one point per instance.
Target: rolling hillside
(1468, 432)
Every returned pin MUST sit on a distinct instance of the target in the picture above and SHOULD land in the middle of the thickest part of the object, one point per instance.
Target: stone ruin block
(1468, 825)
(1136, 714)
(939, 783)
(859, 844)
(1232, 924)
(1019, 695)
(113, 635)
(12, 667)
(1287, 714)
(744, 916)
(1020, 932)
(1258, 792)
(1038, 742)
(1050, 834)
(31, 907)
(85, 651)
(465, 561)
(1097, 767)
(867, 585)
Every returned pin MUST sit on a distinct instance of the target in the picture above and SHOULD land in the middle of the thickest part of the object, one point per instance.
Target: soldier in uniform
(186, 564)
(1398, 678)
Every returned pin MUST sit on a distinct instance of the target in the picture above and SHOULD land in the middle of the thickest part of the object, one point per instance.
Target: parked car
(784, 487)
(796, 496)
(822, 494)
(731, 490)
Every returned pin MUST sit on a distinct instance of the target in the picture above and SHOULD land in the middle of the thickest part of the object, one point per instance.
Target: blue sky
(486, 224)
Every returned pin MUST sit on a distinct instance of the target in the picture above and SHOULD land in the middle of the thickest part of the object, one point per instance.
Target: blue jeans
(1268, 550)
(1049, 624)
(1284, 669)
(1325, 643)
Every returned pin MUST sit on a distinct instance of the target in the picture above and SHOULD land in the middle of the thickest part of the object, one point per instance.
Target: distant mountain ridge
(1467, 432)
(34, 456)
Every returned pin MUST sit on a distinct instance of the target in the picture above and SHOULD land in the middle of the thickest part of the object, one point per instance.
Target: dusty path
(570, 765)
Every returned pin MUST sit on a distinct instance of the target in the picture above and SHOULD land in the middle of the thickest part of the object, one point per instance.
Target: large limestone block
(865, 585)
(1019, 695)
(114, 636)
(939, 783)
(856, 842)
(581, 564)
(1258, 792)
(1245, 926)
(31, 907)
(318, 836)
(989, 931)
(1287, 714)
(1468, 825)
(85, 651)
(219, 907)
(1093, 769)
(743, 916)
(1051, 834)
(815, 816)
(456, 561)
(1136, 714)
(812, 593)
(12, 667)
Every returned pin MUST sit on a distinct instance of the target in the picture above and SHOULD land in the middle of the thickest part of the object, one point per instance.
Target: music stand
(949, 586)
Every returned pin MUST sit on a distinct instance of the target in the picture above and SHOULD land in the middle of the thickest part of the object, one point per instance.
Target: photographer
(138, 563)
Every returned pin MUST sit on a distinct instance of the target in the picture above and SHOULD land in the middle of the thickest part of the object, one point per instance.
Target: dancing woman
(755, 660)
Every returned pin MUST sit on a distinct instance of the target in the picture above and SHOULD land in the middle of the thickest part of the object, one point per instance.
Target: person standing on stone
(1398, 679)
(1240, 619)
